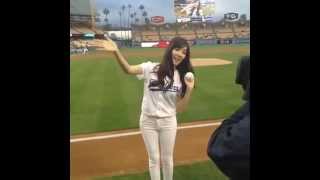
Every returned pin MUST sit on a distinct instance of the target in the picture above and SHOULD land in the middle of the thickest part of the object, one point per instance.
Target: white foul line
(135, 133)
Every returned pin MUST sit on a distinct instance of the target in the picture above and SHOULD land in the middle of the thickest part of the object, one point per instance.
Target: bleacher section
(167, 33)
(242, 31)
(224, 33)
(84, 30)
(188, 34)
(191, 32)
(150, 36)
(205, 33)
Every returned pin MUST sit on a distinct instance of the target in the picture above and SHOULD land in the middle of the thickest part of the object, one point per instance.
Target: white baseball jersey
(156, 101)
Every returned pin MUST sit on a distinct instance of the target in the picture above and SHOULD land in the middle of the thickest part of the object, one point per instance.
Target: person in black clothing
(229, 145)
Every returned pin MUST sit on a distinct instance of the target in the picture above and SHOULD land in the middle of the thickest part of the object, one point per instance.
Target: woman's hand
(189, 83)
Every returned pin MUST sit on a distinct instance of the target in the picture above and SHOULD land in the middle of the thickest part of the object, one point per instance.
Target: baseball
(189, 76)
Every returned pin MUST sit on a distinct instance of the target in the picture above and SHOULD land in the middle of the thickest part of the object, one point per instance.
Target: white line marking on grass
(199, 125)
(135, 133)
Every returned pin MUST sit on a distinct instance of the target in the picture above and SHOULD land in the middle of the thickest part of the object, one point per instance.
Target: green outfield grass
(197, 171)
(103, 98)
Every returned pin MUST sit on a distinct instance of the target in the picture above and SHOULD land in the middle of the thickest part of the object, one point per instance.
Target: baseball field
(105, 100)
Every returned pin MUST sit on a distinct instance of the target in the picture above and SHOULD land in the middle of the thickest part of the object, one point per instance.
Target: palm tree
(140, 28)
(131, 16)
(123, 7)
(134, 15)
(106, 12)
(106, 20)
(98, 17)
(120, 14)
(132, 20)
(243, 19)
(141, 7)
(147, 21)
(144, 14)
(129, 7)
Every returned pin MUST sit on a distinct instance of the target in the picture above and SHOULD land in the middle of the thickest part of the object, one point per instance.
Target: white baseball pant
(159, 131)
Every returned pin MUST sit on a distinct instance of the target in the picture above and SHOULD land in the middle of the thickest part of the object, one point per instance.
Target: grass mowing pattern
(103, 98)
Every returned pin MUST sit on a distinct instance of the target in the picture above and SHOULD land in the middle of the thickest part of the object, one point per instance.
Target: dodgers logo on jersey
(154, 85)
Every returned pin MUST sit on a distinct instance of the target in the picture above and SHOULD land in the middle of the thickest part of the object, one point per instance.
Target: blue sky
(166, 8)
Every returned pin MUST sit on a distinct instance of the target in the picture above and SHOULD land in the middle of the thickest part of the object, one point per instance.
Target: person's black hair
(243, 75)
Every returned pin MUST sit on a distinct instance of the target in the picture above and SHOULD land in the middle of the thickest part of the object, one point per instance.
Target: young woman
(166, 92)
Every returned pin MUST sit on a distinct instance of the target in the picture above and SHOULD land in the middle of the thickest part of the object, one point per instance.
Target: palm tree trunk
(120, 28)
(128, 22)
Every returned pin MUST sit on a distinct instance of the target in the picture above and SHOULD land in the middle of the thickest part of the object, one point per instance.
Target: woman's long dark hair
(166, 67)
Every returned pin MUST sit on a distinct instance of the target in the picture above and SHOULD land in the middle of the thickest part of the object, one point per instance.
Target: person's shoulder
(155, 66)
(151, 66)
